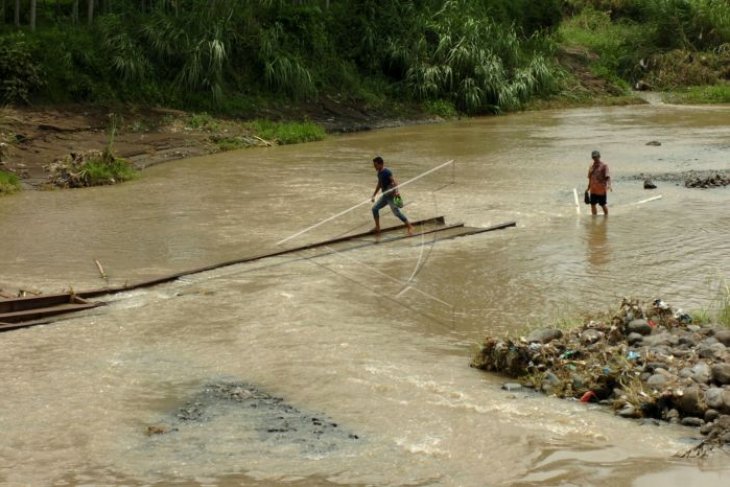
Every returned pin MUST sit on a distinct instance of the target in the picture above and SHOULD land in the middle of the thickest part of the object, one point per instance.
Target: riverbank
(649, 362)
(35, 137)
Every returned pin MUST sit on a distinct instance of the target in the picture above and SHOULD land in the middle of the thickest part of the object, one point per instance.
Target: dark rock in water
(545, 335)
(648, 184)
(654, 142)
(715, 181)
(256, 413)
(692, 421)
(717, 434)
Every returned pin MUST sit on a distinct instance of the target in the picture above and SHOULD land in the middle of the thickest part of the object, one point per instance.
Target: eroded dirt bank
(34, 137)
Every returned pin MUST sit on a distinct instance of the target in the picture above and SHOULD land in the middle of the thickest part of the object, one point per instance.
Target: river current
(375, 341)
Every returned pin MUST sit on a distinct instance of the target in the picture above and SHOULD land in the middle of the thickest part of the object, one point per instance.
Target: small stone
(723, 336)
(711, 415)
(545, 335)
(692, 421)
(721, 374)
(657, 381)
(648, 184)
(640, 326)
(511, 386)
(634, 338)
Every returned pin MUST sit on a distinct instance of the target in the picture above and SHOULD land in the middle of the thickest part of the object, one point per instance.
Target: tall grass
(106, 171)
(723, 307)
(462, 55)
(9, 183)
(287, 132)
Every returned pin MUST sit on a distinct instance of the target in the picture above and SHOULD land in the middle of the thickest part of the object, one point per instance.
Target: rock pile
(715, 181)
(645, 361)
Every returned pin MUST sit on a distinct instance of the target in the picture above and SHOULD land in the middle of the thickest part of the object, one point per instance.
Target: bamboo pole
(302, 232)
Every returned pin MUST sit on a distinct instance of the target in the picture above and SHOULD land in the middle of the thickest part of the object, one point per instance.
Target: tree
(17, 13)
(33, 5)
(90, 11)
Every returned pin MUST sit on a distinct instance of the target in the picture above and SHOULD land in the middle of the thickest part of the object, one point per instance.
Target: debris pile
(646, 361)
(84, 169)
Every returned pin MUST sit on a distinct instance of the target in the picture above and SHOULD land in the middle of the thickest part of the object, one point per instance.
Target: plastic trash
(588, 396)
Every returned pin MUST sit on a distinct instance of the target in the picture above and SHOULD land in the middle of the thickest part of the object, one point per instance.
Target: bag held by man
(398, 200)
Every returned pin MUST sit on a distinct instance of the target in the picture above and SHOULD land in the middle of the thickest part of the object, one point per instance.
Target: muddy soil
(34, 137)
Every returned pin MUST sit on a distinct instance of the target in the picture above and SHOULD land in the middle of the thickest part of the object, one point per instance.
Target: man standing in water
(389, 187)
(599, 183)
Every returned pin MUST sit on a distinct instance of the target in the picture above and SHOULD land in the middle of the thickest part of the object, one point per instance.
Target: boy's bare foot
(409, 229)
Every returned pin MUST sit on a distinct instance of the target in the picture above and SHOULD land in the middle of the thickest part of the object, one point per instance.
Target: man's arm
(377, 188)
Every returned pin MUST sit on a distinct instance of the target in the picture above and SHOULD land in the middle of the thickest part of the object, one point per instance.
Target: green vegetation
(471, 56)
(92, 168)
(287, 132)
(715, 94)
(655, 44)
(224, 56)
(9, 183)
(106, 170)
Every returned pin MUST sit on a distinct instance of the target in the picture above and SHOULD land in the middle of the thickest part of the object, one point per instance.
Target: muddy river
(351, 368)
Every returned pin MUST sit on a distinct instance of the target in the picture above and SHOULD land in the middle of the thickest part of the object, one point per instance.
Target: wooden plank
(439, 220)
(33, 314)
(34, 310)
(468, 231)
(30, 302)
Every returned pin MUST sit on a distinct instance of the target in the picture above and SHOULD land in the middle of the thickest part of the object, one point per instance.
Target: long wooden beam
(40, 309)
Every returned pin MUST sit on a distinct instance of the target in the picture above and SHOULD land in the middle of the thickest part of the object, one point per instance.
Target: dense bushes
(477, 55)
(663, 44)
(19, 74)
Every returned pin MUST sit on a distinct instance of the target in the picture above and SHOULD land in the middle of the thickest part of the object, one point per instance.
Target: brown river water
(377, 339)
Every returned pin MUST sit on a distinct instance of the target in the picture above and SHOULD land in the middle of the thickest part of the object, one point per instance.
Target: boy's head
(378, 162)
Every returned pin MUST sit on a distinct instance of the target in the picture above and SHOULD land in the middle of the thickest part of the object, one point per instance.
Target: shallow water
(376, 339)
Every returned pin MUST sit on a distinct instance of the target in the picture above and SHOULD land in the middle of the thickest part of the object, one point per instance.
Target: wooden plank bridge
(23, 312)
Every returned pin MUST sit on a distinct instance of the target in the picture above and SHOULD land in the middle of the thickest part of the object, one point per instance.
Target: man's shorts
(598, 199)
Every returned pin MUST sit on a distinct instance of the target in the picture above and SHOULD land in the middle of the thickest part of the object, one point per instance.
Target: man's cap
(595, 153)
